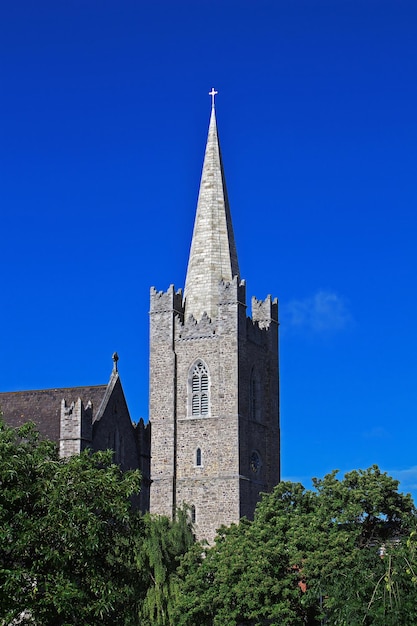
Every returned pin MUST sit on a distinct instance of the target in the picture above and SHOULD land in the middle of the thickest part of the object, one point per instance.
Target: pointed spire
(213, 254)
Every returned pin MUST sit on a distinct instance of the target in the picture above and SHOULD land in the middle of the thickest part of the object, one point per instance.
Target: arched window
(198, 457)
(199, 390)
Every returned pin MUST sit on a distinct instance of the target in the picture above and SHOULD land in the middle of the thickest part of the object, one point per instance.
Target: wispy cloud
(325, 311)
(407, 478)
(376, 433)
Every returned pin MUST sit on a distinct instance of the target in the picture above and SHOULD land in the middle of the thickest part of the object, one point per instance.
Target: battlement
(164, 301)
(214, 379)
(264, 311)
(232, 292)
(143, 436)
(75, 427)
(193, 329)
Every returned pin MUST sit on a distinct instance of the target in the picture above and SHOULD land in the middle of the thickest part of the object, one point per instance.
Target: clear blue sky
(104, 112)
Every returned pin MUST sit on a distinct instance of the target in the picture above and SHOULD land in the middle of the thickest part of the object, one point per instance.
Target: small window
(198, 457)
(193, 516)
(199, 405)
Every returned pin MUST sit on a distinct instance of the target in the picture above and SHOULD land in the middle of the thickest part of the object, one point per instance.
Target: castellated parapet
(213, 376)
(207, 461)
(163, 301)
(75, 427)
(264, 318)
(265, 311)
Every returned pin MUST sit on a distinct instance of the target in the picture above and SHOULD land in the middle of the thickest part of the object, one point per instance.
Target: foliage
(356, 521)
(337, 554)
(68, 534)
(164, 542)
(74, 551)
(245, 578)
(72, 548)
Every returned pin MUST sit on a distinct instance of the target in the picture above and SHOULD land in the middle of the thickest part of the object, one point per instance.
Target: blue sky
(104, 114)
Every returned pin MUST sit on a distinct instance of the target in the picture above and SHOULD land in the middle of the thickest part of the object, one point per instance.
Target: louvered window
(204, 404)
(196, 404)
(200, 404)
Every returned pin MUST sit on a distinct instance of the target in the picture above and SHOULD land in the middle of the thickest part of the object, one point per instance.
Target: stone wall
(223, 487)
(165, 311)
(75, 427)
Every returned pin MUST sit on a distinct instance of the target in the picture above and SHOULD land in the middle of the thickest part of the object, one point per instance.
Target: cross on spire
(212, 93)
(213, 255)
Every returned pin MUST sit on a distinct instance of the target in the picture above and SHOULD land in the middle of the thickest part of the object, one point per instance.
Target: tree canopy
(338, 554)
(73, 549)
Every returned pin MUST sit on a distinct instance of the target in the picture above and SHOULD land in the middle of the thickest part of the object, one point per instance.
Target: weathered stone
(236, 438)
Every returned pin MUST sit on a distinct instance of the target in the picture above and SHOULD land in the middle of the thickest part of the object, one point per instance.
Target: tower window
(199, 383)
(198, 457)
(193, 516)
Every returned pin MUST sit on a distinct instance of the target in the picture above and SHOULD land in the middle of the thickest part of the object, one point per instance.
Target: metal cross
(212, 93)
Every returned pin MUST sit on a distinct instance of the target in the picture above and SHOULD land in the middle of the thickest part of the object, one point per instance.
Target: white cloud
(376, 433)
(407, 478)
(323, 312)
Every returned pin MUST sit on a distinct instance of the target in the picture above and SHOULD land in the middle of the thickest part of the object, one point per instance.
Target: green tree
(355, 520)
(69, 537)
(68, 534)
(165, 541)
(329, 555)
(245, 578)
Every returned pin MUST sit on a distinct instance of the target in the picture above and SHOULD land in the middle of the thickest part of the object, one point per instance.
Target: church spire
(213, 254)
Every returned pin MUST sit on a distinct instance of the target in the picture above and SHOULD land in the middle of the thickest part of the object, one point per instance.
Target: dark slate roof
(44, 406)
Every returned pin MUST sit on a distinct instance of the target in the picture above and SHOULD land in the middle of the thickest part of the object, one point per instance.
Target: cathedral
(213, 438)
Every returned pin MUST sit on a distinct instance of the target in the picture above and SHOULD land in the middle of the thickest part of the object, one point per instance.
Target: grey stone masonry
(77, 418)
(214, 386)
(76, 427)
(238, 438)
(213, 251)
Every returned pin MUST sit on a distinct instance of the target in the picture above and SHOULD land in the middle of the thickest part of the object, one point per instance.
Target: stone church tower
(214, 406)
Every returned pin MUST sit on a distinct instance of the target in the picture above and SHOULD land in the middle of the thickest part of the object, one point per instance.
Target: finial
(212, 93)
(115, 358)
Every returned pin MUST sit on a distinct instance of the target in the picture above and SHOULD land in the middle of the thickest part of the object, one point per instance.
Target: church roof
(213, 255)
(43, 406)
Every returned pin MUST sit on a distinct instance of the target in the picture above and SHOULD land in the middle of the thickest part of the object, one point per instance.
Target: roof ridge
(55, 389)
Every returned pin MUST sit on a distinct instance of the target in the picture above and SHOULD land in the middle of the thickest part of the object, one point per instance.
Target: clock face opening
(255, 462)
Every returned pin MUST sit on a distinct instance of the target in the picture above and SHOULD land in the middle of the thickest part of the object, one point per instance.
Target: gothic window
(255, 462)
(199, 390)
(198, 457)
